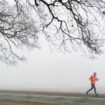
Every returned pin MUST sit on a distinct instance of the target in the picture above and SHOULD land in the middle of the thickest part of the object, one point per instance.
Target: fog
(49, 70)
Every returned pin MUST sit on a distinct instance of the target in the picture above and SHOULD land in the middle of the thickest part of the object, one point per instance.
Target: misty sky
(46, 69)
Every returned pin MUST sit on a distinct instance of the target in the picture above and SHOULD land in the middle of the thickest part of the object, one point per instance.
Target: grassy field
(56, 100)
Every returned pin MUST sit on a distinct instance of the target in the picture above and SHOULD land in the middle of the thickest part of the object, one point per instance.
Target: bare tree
(67, 24)
(17, 31)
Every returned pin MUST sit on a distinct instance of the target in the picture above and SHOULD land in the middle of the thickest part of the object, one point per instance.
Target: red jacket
(93, 79)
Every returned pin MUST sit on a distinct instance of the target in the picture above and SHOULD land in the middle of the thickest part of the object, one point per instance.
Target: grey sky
(48, 70)
(53, 71)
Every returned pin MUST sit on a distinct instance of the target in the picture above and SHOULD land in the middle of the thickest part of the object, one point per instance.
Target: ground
(6, 102)
(49, 98)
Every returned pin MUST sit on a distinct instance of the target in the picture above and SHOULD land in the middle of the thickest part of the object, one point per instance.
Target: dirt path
(23, 102)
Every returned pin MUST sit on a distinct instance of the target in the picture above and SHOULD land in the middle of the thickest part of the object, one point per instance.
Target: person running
(93, 80)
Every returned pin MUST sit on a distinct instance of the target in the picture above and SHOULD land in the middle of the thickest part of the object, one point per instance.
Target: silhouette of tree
(17, 31)
(67, 24)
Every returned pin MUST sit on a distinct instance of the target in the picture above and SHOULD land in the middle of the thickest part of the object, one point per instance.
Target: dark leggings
(93, 87)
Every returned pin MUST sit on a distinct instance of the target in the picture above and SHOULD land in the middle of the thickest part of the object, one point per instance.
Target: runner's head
(94, 73)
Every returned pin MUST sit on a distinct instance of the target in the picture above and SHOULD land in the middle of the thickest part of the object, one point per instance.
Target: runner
(93, 80)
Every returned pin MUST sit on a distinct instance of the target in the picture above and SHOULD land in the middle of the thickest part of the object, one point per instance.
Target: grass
(59, 100)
